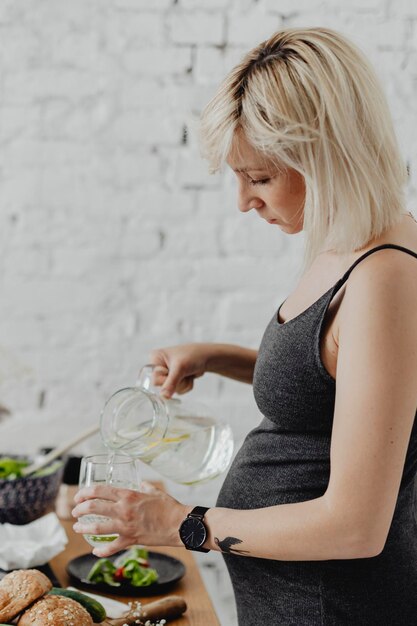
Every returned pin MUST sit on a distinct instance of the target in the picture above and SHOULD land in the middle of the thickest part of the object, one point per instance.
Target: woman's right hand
(179, 366)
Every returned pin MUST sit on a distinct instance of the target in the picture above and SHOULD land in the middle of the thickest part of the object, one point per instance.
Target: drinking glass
(116, 470)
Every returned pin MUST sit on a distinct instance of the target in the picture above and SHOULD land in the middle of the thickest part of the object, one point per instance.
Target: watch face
(193, 532)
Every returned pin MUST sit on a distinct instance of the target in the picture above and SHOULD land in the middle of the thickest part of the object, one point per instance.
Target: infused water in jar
(181, 440)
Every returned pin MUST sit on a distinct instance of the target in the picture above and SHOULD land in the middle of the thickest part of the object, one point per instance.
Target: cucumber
(96, 610)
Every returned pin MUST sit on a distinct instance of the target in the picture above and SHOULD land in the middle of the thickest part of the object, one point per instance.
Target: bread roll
(19, 589)
(55, 611)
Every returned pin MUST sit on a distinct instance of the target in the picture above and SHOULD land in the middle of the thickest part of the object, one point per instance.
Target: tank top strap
(346, 275)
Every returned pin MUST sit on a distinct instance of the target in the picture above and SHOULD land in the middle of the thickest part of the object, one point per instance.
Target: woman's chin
(288, 229)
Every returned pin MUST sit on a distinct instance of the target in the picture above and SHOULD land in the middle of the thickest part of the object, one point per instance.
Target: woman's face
(276, 195)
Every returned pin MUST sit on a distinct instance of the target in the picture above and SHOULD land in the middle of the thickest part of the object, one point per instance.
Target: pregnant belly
(274, 467)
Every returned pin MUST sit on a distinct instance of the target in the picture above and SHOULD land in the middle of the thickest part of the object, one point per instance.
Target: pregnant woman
(316, 516)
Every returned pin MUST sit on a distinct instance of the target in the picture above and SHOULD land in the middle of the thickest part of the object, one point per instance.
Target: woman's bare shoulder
(388, 269)
(383, 288)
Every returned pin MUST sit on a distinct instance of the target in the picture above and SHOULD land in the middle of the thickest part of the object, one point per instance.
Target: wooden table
(200, 611)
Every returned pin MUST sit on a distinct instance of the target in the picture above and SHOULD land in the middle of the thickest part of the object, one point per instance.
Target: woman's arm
(180, 365)
(292, 532)
(232, 361)
(376, 392)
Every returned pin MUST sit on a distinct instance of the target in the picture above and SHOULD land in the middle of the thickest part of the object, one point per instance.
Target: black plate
(170, 571)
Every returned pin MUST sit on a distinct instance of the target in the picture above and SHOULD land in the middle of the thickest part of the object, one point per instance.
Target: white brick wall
(113, 238)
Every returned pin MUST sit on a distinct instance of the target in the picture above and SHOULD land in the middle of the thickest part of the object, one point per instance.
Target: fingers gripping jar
(180, 440)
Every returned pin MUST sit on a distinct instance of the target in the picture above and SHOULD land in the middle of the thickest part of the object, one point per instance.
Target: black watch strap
(198, 512)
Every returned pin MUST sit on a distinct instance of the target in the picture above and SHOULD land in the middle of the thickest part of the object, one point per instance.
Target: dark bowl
(23, 500)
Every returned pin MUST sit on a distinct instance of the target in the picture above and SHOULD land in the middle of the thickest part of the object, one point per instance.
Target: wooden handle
(169, 607)
(56, 452)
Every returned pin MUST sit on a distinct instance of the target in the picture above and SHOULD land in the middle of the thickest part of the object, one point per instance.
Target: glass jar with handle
(181, 440)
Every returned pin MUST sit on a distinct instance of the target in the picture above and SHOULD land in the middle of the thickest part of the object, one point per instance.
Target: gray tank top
(287, 459)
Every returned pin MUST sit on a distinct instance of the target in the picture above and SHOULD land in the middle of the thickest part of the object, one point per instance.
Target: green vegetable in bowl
(132, 567)
(11, 468)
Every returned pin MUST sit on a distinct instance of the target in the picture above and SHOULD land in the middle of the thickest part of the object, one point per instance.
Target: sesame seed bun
(55, 611)
(19, 589)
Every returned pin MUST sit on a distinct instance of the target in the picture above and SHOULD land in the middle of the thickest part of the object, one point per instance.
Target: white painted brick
(312, 19)
(199, 96)
(129, 29)
(414, 36)
(140, 5)
(147, 129)
(14, 366)
(76, 49)
(17, 188)
(140, 243)
(144, 93)
(27, 262)
(197, 28)
(402, 8)
(212, 64)
(77, 263)
(126, 169)
(23, 87)
(163, 204)
(192, 171)
(197, 236)
(380, 32)
(249, 235)
(365, 5)
(46, 17)
(158, 62)
(187, 311)
(242, 310)
(204, 4)
(58, 330)
(19, 48)
(220, 202)
(186, 98)
(252, 28)
(36, 153)
(285, 7)
(46, 296)
(225, 275)
(7, 12)
(17, 122)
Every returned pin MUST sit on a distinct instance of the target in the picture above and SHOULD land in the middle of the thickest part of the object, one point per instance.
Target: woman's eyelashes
(262, 181)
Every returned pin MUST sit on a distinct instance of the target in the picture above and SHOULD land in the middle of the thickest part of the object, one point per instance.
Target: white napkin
(26, 546)
(114, 609)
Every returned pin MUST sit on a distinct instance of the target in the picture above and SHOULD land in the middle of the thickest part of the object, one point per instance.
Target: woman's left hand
(148, 517)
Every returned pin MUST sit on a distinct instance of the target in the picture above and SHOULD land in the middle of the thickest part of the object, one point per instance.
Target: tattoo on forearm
(226, 545)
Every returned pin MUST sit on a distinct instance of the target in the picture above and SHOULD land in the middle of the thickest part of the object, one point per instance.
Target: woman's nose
(247, 201)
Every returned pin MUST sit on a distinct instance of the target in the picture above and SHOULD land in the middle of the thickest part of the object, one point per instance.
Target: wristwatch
(193, 532)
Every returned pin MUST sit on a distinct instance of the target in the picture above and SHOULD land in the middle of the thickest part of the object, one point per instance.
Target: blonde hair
(308, 99)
